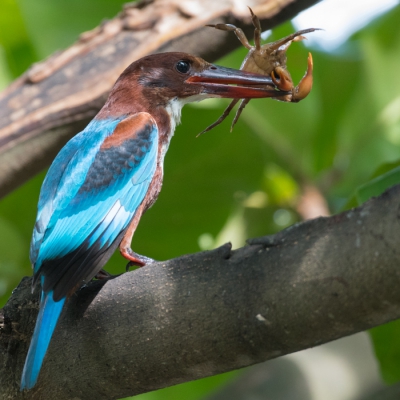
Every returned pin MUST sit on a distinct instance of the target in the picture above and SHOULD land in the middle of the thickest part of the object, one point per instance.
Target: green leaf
(378, 185)
(55, 25)
(14, 38)
(194, 390)
(17, 216)
(12, 256)
(387, 349)
(280, 186)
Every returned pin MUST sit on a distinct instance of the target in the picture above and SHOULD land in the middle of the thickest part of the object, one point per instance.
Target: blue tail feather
(49, 313)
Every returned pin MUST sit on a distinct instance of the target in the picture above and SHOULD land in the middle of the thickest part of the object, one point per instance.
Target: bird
(105, 178)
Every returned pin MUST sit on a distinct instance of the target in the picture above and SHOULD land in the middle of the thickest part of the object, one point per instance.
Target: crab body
(269, 59)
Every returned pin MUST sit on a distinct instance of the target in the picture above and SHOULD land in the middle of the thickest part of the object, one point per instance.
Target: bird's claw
(103, 274)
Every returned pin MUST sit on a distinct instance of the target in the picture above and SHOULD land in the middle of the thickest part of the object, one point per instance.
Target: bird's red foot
(135, 260)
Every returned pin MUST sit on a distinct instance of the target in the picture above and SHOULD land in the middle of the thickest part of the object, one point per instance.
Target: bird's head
(159, 78)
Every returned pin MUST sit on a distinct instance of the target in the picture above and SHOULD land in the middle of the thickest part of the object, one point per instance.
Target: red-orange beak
(215, 80)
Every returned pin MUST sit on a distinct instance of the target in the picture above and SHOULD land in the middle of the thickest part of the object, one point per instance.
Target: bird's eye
(182, 67)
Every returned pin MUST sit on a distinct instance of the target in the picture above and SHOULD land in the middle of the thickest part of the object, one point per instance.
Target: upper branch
(215, 311)
(55, 99)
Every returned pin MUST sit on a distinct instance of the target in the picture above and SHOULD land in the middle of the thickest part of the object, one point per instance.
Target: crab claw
(282, 79)
(305, 85)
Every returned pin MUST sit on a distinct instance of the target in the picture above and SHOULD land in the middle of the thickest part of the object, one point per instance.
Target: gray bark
(212, 312)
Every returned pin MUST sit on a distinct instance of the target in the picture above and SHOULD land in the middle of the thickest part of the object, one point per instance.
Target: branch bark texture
(212, 312)
(56, 98)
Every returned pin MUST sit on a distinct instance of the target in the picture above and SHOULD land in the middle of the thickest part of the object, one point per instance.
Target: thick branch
(55, 99)
(212, 312)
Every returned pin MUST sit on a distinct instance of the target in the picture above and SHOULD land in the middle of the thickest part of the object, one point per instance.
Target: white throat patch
(174, 110)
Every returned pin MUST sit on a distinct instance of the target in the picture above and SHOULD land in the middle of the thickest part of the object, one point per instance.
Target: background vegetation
(344, 140)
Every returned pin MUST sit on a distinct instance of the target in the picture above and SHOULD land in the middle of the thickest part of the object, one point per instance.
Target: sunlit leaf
(280, 186)
(5, 73)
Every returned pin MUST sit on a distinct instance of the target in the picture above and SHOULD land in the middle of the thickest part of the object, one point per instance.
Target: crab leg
(257, 30)
(243, 104)
(297, 36)
(238, 32)
(222, 117)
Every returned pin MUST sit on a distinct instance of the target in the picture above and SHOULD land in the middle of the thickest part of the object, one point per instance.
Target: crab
(268, 59)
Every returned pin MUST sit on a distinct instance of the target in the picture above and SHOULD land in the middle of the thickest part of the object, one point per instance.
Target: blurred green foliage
(387, 349)
(229, 186)
(14, 38)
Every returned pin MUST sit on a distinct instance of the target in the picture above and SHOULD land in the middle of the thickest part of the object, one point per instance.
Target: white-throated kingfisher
(108, 175)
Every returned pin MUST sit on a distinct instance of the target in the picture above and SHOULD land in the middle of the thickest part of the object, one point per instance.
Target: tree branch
(55, 99)
(215, 311)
